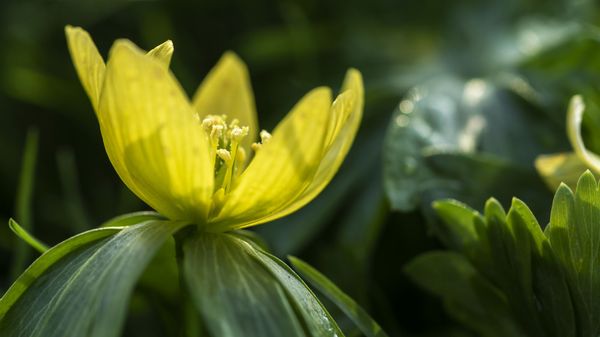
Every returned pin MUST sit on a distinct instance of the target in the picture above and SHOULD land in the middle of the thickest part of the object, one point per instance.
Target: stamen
(240, 157)
(238, 133)
(228, 157)
(218, 198)
(225, 156)
(227, 181)
(265, 137)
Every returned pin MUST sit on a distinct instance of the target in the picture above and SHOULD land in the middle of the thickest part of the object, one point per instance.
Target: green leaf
(464, 230)
(459, 231)
(545, 281)
(574, 233)
(25, 236)
(512, 253)
(463, 138)
(510, 248)
(241, 290)
(47, 260)
(353, 310)
(82, 286)
(467, 295)
(550, 288)
(234, 293)
(317, 320)
(132, 219)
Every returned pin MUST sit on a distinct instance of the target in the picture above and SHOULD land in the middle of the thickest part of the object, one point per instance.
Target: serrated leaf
(552, 292)
(353, 310)
(459, 219)
(81, 287)
(545, 282)
(510, 248)
(513, 253)
(574, 233)
(466, 231)
(461, 229)
(524, 226)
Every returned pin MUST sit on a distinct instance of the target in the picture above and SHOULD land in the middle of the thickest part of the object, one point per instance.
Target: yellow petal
(152, 135)
(282, 168)
(346, 114)
(88, 63)
(560, 168)
(574, 120)
(163, 52)
(227, 90)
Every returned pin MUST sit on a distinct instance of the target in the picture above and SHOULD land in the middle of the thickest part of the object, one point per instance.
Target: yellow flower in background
(204, 160)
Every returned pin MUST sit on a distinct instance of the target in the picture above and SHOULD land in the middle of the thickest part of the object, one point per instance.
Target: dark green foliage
(358, 315)
(82, 286)
(544, 283)
(237, 296)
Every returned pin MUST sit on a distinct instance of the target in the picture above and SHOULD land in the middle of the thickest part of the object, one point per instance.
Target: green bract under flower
(202, 160)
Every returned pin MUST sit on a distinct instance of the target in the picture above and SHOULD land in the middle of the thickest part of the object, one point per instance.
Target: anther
(238, 133)
(225, 156)
(216, 131)
(265, 136)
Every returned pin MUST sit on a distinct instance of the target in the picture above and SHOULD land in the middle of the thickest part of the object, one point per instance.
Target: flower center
(228, 157)
(225, 151)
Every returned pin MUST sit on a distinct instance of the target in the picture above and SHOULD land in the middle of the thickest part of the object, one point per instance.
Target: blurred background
(461, 97)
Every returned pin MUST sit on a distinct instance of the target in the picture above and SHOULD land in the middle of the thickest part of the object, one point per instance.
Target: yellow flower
(204, 160)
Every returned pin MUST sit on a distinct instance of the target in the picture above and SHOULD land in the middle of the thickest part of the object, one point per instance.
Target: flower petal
(88, 63)
(152, 135)
(559, 168)
(227, 90)
(346, 114)
(163, 52)
(284, 167)
(574, 121)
